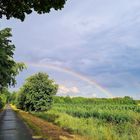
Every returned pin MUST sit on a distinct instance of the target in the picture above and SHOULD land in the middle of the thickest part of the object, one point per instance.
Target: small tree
(37, 93)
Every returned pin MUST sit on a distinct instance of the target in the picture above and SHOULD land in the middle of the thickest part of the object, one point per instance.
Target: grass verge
(43, 129)
(93, 128)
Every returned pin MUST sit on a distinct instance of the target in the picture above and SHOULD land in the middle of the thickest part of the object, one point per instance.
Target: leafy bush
(37, 93)
(1, 103)
(4, 97)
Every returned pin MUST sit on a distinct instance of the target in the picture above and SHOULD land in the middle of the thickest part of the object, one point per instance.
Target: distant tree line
(79, 100)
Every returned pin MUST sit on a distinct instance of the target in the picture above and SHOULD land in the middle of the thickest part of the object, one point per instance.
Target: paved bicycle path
(11, 127)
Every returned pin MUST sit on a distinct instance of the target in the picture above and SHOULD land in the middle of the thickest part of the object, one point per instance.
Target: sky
(90, 48)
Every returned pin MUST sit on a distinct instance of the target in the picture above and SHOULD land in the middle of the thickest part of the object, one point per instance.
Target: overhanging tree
(8, 67)
(19, 8)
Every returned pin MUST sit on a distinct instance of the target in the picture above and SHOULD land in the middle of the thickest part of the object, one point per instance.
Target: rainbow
(73, 73)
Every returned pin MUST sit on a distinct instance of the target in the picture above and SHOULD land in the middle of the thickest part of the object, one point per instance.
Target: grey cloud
(97, 38)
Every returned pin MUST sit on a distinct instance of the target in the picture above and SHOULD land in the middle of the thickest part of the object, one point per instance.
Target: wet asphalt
(12, 127)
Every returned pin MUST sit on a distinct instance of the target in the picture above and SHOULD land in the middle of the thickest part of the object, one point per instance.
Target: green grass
(93, 128)
(98, 121)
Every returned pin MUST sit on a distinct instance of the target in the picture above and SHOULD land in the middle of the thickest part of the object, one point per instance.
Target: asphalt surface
(12, 127)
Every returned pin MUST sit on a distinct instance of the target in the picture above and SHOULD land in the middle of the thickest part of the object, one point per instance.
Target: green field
(96, 119)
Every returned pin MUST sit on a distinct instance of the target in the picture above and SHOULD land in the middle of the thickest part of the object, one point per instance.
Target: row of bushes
(114, 113)
(90, 107)
(113, 116)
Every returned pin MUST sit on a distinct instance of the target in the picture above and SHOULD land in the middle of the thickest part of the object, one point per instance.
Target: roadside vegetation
(95, 118)
(42, 129)
(4, 97)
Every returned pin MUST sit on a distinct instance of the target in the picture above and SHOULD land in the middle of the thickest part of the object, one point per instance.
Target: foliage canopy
(19, 8)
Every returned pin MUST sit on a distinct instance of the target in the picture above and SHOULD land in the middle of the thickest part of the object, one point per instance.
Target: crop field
(96, 119)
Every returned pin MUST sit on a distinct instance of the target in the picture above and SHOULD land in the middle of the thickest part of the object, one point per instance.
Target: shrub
(1, 103)
(37, 93)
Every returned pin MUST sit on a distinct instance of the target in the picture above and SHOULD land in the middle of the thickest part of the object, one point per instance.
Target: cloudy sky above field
(97, 39)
